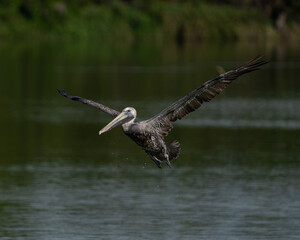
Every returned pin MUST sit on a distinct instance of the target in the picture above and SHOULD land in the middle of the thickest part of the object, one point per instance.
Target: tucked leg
(166, 155)
(157, 162)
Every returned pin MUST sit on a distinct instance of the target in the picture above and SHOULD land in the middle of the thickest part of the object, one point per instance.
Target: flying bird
(149, 134)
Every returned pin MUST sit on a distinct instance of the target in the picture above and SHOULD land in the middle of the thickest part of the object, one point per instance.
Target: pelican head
(127, 115)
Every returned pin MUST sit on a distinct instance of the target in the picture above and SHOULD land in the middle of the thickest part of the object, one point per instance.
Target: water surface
(237, 176)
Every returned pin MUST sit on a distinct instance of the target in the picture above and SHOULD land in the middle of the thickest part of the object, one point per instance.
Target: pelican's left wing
(203, 93)
(91, 103)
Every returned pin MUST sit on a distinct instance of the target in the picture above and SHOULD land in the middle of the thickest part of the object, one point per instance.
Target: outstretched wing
(91, 103)
(204, 93)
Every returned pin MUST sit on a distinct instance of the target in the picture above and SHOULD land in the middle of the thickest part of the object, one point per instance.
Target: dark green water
(237, 176)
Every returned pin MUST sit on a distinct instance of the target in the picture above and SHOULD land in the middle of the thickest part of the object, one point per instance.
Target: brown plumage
(149, 134)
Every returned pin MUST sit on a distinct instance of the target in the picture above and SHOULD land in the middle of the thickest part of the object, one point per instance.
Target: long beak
(120, 119)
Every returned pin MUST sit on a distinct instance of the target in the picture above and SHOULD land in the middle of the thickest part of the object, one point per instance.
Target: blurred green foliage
(130, 20)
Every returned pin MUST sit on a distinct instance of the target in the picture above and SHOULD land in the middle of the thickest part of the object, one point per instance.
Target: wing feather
(204, 93)
(91, 103)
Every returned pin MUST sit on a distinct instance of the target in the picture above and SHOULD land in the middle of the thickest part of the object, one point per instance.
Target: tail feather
(174, 149)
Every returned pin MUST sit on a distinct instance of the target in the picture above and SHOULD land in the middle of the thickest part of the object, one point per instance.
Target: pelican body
(146, 136)
(149, 134)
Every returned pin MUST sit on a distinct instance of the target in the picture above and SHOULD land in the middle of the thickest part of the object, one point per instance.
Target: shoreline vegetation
(179, 22)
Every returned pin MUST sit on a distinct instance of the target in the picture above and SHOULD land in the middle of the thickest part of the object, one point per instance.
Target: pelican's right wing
(91, 103)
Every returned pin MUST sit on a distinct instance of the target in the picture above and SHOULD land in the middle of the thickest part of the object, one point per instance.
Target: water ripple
(241, 123)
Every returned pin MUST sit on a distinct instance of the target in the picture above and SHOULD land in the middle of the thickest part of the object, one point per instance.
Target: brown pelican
(149, 134)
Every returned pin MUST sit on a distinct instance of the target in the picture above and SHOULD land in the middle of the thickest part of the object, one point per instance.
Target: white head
(130, 111)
